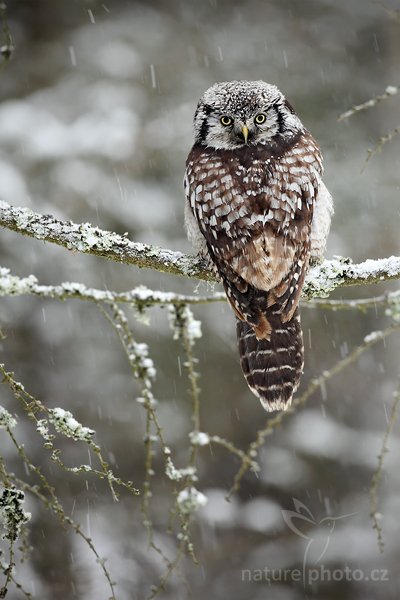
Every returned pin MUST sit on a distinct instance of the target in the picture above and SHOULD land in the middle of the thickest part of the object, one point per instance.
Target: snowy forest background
(95, 125)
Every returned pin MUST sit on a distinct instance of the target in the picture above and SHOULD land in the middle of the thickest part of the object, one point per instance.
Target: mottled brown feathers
(253, 205)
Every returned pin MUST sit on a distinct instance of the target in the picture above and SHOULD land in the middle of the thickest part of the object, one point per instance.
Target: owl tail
(272, 367)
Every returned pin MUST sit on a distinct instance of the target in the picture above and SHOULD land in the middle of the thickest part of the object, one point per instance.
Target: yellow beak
(245, 132)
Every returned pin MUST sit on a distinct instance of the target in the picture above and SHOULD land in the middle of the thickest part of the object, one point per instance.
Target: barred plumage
(272, 367)
(257, 210)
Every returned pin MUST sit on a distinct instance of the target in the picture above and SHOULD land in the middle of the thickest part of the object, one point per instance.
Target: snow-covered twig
(340, 272)
(83, 237)
(141, 296)
(91, 240)
(390, 91)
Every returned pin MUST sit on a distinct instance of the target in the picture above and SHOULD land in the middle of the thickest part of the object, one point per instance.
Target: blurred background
(95, 125)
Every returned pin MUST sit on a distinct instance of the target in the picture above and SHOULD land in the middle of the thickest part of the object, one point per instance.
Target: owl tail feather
(272, 367)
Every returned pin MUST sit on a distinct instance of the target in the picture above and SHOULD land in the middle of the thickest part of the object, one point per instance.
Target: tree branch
(82, 237)
(361, 304)
(141, 296)
(340, 272)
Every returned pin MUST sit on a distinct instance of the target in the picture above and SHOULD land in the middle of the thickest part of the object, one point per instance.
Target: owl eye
(226, 121)
(260, 118)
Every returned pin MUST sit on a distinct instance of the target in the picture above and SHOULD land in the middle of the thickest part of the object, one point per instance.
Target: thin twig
(373, 492)
(315, 384)
(390, 91)
(141, 296)
(8, 571)
(361, 304)
(380, 143)
(53, 503)
(6, 46)
(32, 407)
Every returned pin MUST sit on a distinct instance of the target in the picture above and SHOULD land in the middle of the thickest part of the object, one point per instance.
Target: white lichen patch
(182, 322)
(42, 427)
(392, 90)
(377, 268)
(199, 438)
(177, 474)
(12, 514)
(93, 237)
(7, 421)
(11, 285)
(373, 337)
(64, 422)
(323, 279)
(393, 309)
(144, 294)
(190, 500)
(142, 364)
(193, 327)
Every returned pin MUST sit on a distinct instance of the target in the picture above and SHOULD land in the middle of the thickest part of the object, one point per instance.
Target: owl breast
(254, 205)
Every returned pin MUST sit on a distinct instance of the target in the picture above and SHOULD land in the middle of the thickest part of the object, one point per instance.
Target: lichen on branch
(83, 237)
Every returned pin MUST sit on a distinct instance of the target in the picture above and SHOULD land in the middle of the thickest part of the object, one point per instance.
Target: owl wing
(255, 210)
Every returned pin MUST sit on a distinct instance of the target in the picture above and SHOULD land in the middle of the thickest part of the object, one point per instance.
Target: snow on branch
(339, 272)
(141, 296)
(391, 90)
(85, 238)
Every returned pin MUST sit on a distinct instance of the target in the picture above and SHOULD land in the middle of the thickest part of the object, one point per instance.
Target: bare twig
(390, 91)
(275, 422)
(374, 514)
(51, 502)
(392, 12)
(381, 142)
(7, 45)
(361, 304)
(32, 407)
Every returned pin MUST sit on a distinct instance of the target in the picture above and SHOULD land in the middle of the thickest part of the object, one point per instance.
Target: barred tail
(272, 368)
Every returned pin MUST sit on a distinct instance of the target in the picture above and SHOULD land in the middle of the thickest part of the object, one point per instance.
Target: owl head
(231, 114)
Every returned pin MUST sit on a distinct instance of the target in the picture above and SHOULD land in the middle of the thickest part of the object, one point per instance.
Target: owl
(258, 212)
